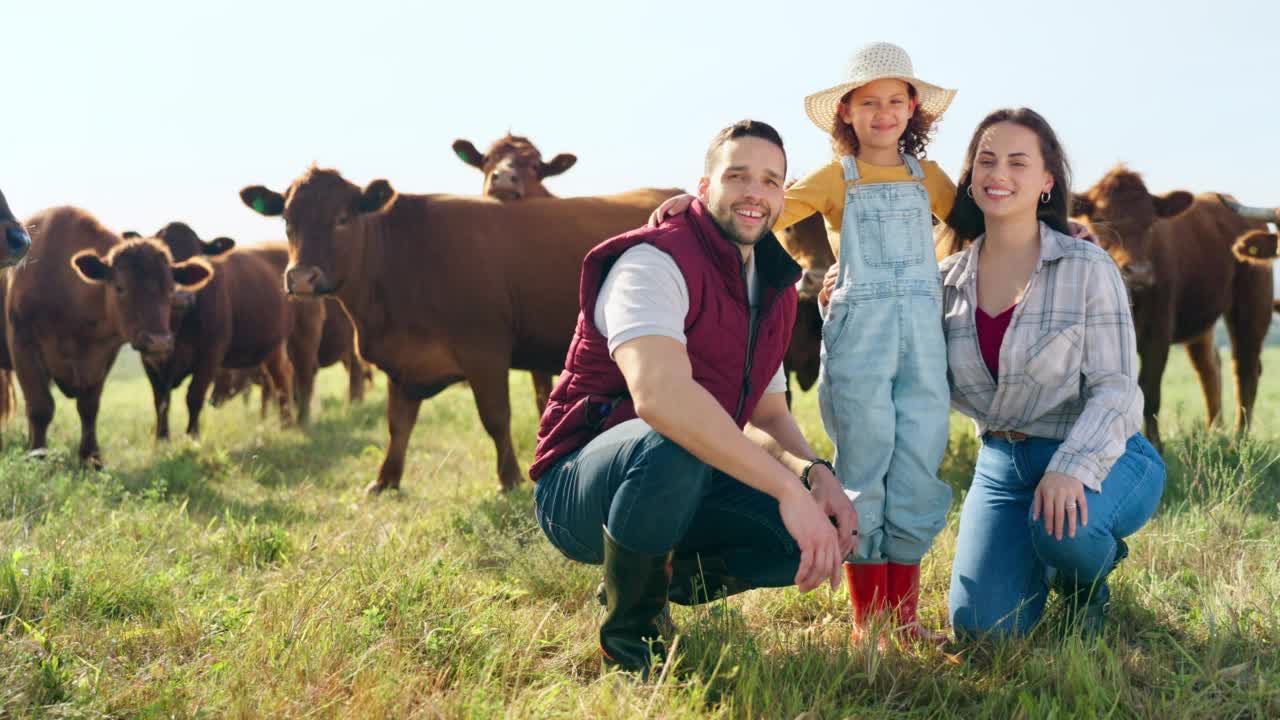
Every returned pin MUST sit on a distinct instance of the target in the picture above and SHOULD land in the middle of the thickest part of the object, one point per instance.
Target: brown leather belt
(1010, 435)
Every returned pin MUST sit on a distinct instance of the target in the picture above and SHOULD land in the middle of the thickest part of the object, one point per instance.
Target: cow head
(513, 168)
(184, 244)
(1121, 212)
(14, 240)
(321, 213)
(140, 277)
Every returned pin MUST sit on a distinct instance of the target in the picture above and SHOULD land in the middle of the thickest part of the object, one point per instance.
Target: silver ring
(1072, 506)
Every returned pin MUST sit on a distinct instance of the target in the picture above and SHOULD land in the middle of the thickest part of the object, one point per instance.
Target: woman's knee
(976, 615)
(1086, 555)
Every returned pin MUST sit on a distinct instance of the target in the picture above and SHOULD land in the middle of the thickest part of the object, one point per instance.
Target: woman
(1042, 355)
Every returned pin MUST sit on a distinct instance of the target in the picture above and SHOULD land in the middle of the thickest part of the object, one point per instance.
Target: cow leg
(281, 375)
(160, 395)
(197, 391)
(402, 414)
(34, 380)
(1149, 376)
(1248, 320)
(87, 402)
(493, 401)
(1204, 358)
(304, 379)
(541, 390)
(266, 389)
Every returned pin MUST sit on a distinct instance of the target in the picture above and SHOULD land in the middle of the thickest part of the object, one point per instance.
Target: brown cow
(439, 289)
(321, 335)
(513, 170)
(13, 249)
(808, 242)
(1186, 261)
(239, 319)
(83, 293)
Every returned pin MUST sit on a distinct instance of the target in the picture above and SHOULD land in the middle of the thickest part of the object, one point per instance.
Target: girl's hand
(828, 285)
(1061, 499)
(670, 206)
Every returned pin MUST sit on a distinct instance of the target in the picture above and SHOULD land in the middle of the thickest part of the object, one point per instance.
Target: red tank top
(990, 335)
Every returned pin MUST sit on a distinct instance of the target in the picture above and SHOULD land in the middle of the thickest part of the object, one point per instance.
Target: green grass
(247, 576)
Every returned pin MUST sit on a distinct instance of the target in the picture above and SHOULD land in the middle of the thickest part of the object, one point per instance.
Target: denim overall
(883, 393)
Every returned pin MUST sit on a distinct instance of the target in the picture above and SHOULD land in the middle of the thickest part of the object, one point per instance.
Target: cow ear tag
(260, 205)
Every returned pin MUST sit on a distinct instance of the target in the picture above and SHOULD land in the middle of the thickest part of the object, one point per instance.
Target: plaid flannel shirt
(1069, 361)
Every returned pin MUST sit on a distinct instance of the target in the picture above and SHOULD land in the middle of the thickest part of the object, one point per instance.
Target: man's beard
(729, 228)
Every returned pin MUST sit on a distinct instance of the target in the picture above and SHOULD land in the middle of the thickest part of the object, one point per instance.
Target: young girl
(883, 392)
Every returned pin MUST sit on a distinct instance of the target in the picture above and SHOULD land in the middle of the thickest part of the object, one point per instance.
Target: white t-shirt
(645, 294)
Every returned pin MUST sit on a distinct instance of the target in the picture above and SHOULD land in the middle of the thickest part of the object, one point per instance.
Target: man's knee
(670, 467)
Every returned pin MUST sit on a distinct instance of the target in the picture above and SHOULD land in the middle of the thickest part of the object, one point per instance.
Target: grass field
(247, 576)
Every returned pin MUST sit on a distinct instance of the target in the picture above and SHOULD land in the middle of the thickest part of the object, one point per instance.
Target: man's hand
(670, 206)
(1081, 232)
(820, 556)
(829, 493)
(828, 285)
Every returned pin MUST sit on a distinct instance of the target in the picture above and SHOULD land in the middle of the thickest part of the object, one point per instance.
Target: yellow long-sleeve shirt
(822, 191)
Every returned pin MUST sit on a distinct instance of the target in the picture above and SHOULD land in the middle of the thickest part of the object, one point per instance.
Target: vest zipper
(752, 330)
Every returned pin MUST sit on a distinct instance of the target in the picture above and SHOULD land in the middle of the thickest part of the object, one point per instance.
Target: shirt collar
(1053, 247)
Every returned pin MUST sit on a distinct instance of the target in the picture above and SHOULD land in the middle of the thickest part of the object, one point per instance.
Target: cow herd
(437, 289)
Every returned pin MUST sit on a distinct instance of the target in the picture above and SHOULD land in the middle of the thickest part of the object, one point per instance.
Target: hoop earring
(970, 191)
(1044, 198)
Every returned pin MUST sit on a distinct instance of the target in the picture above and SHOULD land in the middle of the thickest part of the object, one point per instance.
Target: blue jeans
(655, 496)
(999, 580)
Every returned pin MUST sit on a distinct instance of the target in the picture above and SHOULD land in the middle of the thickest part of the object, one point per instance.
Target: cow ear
(468, 153)
(1257, 246)
(131, 235)
(218, 246)
(376, 196)
(91, 268)
(558, 164)
(192, 274)
(263, 201)
(1081, 205)
(1172, 204)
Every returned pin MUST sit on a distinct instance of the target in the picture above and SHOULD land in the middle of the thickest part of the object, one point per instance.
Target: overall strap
(850, 165)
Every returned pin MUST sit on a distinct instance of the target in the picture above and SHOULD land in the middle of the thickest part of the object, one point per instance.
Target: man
(645, 461)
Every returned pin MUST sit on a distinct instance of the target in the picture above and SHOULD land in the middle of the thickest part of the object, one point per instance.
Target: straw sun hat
(875, 62)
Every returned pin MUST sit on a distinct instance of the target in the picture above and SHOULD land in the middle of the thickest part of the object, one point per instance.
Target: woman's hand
(670, 206)
(1059, 498)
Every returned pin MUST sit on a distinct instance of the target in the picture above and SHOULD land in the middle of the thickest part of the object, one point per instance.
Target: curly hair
(913, 141)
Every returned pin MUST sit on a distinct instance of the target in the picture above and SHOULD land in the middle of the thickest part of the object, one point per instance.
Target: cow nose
(153, 343)
(304, 280)
(18, 242)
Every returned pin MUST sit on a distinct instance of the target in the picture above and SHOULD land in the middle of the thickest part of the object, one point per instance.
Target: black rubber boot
(696, 578)
(1088, 604)
(635, 586)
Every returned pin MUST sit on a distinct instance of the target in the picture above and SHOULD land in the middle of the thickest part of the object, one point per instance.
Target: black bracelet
(804, 474)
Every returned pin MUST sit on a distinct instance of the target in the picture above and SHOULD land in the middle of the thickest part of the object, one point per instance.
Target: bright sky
(146, 112)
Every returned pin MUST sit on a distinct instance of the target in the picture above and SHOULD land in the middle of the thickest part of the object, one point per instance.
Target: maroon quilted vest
(591, 395)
